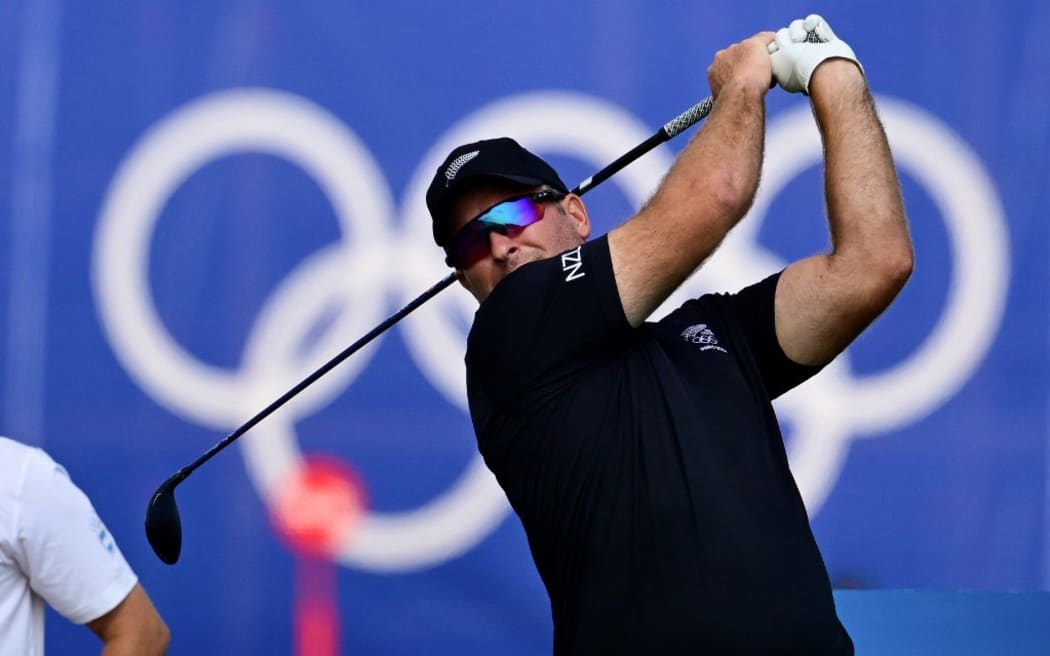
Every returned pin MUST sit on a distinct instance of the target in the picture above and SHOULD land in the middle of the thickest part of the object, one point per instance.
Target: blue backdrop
(203, 200)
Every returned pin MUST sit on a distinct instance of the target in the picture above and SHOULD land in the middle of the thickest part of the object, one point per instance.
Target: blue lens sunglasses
(509, 217)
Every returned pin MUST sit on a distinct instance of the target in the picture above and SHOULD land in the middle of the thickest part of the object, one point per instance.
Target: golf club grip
(670, 129)
(679, 123)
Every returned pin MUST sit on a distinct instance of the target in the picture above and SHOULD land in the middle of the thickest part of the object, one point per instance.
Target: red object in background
(315, 510)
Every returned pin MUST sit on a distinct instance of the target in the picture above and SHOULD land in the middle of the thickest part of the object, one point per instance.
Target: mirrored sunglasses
(509, 217)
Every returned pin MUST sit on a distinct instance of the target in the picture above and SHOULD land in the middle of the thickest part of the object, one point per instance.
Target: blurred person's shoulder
(16, 456)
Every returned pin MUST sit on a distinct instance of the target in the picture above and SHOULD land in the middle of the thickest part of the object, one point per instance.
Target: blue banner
(205, 201)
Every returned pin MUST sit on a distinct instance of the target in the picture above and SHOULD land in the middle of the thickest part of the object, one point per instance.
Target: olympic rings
(825, 413)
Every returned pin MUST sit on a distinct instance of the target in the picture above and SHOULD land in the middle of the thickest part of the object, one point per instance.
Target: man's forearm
(823, 302)
(707, 191)
(721, 164)
(136, 646)
(132, 628)
(709, 188)
(865, 209)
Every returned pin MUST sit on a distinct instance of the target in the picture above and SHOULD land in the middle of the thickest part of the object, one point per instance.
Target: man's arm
(825, 301)
(73, 563)
(133, 627)
(709, 188)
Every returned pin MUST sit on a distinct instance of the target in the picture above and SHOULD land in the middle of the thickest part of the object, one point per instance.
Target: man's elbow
(896, 267)
(732, 194)
(902, 262)
(884, 276)
(871, 279)
(884, 261)
(161, 636)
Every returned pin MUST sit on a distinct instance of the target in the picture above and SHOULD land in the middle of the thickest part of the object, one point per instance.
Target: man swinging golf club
(644, 459)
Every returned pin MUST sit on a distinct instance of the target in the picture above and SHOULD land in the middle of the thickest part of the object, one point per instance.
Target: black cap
(502, 159)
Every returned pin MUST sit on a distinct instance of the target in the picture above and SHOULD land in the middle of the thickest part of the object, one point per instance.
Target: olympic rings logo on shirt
(826, 413)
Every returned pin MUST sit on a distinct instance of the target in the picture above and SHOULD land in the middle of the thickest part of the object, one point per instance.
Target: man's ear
(577, 211)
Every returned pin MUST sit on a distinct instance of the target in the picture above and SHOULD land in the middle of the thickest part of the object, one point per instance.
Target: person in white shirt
(54, 549)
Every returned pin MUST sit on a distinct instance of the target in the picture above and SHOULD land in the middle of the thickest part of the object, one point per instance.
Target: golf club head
(163, 527)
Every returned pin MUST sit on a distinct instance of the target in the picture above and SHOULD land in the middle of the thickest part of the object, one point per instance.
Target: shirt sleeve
(753, 308)
(542, 321)
(70, 558)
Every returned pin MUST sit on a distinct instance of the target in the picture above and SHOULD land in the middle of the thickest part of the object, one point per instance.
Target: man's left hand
(801, 47)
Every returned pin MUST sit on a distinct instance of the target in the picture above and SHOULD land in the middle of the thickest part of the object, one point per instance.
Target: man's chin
(522, 260)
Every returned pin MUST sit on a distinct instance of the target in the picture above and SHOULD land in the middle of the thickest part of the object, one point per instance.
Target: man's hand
(803, 46)
(746, 63)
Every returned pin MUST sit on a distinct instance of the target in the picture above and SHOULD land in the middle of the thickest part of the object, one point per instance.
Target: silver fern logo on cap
(457, 164)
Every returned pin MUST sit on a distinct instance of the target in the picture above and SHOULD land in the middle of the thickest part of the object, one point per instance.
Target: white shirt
(53, 548)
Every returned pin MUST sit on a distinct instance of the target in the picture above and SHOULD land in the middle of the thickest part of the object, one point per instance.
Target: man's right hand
(747, 63)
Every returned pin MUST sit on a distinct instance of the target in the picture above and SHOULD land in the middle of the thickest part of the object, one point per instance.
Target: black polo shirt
(647, 466)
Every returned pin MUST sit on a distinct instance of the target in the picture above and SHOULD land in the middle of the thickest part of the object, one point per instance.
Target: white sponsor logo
(103, 535)
(457, 164)
(572, 265)
(703, 336)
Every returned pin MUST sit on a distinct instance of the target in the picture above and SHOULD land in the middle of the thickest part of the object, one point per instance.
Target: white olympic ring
(825, 412)
(244, 120)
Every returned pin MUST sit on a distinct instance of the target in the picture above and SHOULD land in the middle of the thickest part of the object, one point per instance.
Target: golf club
(163, 526)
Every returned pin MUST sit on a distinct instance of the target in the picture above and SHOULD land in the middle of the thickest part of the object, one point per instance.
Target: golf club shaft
(321, 371)
(669, 130)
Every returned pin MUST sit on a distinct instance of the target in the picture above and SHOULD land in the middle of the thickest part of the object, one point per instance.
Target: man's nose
(501, 245)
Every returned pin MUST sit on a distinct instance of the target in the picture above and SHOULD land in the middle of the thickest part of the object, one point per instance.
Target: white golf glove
(802, 46)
